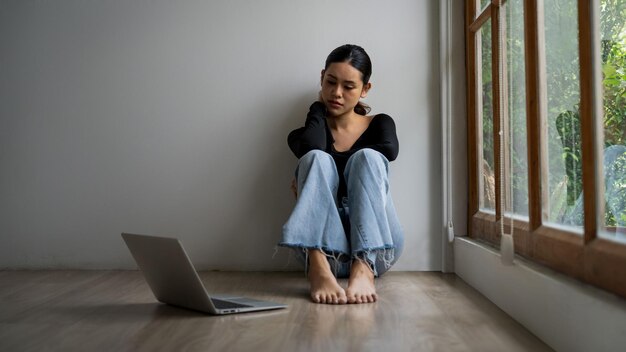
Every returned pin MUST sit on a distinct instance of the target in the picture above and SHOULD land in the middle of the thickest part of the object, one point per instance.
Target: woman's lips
(335, 104)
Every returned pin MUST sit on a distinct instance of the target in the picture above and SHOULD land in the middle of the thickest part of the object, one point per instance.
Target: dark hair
(357, 58)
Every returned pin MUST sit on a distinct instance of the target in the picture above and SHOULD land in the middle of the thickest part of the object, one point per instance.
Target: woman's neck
(343, 122)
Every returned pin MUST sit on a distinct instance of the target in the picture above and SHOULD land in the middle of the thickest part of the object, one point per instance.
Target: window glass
(613, 60)
(483, 4)
(515, 83)
(563, 172)
(487, 199)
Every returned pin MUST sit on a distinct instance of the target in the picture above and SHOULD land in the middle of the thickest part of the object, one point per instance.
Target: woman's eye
(349, 87)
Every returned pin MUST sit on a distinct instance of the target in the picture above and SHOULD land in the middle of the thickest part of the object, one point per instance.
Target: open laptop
(174, 280)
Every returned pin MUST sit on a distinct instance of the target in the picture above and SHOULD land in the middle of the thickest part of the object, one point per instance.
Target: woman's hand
(320, 98)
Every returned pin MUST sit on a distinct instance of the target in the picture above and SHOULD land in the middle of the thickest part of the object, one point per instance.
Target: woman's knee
(367, 160)
(318, 160)
(368, 156)
(316, 156)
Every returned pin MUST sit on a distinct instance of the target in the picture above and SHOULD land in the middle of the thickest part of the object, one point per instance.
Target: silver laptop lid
(169, 271)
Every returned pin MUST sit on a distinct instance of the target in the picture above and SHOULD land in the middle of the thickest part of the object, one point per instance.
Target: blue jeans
(364, 225)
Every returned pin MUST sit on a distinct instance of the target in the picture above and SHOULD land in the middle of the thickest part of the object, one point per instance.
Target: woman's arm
(313, 134)
(384, 138)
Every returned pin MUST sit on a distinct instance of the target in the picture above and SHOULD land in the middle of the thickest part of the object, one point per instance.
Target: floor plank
(115, 310)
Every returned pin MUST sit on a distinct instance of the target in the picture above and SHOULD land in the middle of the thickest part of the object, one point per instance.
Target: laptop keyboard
(219, 304)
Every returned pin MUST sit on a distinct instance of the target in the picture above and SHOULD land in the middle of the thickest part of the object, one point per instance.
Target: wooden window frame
(589, 258)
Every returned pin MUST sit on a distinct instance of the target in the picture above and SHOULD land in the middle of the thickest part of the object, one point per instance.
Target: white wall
(170, 118)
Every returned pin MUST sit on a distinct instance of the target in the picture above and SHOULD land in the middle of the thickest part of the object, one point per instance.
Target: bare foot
(324, 285)
(361, 287)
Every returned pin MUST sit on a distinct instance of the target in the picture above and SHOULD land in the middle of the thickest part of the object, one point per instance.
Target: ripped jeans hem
(334, 256)
(377, 259)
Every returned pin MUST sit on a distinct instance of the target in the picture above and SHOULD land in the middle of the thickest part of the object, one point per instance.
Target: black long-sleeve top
(380, 135)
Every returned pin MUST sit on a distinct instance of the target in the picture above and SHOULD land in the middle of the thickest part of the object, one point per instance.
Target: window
(547, 132)
(612, 57)
(487, 197)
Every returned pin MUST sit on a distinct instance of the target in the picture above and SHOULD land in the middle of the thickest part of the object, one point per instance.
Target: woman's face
(342, 87)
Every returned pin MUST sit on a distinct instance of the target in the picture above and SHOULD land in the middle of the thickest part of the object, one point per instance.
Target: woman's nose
(337, 92)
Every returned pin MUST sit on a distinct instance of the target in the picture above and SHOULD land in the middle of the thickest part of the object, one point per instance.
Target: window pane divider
(496, 103)
(533, 111)
(587, 118)
(482, 18)
(472, 110)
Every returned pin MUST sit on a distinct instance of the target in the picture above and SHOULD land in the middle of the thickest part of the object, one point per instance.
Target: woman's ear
(366, 88)
(322, 77)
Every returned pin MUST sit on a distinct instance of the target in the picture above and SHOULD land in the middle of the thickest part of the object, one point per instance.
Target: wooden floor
(115, 311)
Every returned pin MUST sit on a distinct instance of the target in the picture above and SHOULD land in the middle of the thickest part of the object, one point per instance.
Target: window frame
(589, 258)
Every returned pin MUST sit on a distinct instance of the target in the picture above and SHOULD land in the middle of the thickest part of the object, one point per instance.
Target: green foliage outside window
(564, 143)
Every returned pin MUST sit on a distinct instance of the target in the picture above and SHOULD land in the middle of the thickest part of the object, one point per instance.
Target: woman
(344, 223)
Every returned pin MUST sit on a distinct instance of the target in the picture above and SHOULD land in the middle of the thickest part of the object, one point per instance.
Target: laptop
(174, 280)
